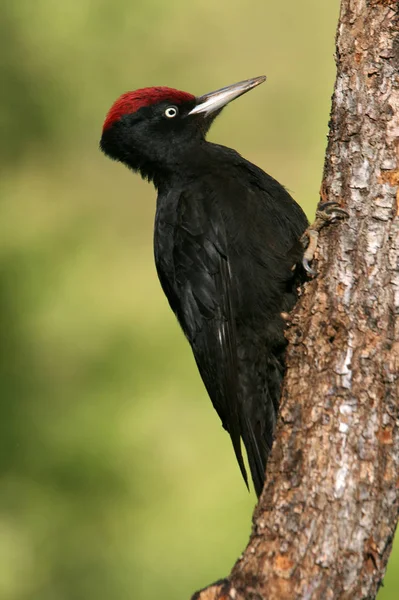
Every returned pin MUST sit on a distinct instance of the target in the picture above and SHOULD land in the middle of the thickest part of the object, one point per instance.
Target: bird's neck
(184, 165)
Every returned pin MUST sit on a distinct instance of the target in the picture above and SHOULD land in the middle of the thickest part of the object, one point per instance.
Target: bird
(227, 252)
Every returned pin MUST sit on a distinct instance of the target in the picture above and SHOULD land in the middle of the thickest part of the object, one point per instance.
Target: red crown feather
(131, 102)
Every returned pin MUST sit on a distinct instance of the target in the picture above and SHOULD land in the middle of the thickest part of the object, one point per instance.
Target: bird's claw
(327, 212)
(330, 212)
(309, 242)
(311, 272)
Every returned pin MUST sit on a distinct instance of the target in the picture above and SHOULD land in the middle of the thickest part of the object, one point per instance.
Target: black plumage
(226, 240)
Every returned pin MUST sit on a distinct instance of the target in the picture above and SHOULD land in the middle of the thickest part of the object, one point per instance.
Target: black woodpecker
(226, 243)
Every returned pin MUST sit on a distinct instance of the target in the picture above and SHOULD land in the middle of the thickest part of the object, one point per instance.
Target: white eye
(171, 112)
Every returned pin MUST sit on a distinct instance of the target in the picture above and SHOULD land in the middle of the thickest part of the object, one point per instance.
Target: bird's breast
(164, 228)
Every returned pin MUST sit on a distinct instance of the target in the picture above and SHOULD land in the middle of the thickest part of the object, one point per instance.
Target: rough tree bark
(324, 525)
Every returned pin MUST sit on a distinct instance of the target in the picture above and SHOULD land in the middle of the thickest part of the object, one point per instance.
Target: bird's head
(152, 129)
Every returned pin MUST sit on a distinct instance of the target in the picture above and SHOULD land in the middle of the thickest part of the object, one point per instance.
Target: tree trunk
(324, 524)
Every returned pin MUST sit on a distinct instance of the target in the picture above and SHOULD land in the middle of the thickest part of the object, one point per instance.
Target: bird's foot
(327, 212)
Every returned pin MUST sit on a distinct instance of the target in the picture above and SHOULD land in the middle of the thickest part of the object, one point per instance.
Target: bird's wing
(206, 307)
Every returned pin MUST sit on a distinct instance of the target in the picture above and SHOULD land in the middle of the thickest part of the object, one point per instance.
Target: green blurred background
(117, 479)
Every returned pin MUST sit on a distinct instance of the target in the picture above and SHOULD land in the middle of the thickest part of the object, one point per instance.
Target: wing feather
(206, 311)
